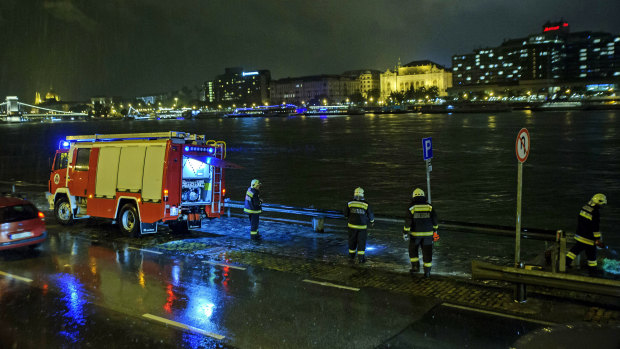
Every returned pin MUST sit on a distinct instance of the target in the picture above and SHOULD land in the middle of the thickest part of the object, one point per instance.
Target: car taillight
(165, 194)
(41, 215)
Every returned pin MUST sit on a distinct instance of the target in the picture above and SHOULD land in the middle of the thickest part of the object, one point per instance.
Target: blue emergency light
(64, 144)
(188, 148)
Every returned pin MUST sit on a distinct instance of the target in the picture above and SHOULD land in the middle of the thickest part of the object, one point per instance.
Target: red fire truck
(139, 180)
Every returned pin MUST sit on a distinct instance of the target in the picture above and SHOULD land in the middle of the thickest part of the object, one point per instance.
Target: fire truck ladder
(137, 136)
(220, 153)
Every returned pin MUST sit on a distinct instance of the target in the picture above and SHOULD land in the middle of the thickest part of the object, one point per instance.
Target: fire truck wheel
(129, 223)
(63, 211)
(178, 227)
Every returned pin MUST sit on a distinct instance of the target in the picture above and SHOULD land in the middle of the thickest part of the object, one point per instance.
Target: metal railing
(321, 214)
(519, 276)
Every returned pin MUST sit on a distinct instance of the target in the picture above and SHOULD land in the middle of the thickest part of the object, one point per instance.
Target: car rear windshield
(17, 213)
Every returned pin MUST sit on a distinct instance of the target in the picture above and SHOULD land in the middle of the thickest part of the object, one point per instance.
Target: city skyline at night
(113, 48)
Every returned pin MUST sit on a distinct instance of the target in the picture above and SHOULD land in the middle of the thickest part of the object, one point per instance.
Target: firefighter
(588, 234)
(421, 231)
(253, 207)
(358, 214)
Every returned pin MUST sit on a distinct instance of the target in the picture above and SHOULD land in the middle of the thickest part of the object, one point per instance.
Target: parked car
(21, 224)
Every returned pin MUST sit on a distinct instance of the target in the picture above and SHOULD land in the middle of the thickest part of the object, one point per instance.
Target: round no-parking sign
(522, 146)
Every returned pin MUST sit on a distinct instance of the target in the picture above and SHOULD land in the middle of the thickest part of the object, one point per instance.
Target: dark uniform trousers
(426, 243)
(357, 241)
(254, 219)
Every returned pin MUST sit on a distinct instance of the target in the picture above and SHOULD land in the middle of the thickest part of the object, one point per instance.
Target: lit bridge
(12, 110)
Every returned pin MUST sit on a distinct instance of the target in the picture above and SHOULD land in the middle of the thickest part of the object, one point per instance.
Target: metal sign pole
(522, 149)
(518, 229)
(428, 180)
(427, 152)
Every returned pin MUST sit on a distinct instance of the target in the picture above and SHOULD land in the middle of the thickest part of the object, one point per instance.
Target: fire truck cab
(138, 180)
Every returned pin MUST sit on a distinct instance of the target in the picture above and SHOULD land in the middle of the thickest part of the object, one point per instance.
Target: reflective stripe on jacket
(421, 220)
(252, 201)
(358, 214)
(588, 224)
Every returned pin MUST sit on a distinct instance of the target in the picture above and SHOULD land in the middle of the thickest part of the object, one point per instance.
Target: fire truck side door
(58, 177)
(78, 172)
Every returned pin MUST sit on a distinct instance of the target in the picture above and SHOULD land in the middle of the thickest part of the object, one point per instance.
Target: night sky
(85, 48)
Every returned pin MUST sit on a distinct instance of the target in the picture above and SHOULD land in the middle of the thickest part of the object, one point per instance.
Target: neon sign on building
(557, 27)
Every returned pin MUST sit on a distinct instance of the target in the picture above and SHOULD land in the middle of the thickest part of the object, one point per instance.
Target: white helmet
(599, 199)
(417, 192)
(255, 183)
(358, 192)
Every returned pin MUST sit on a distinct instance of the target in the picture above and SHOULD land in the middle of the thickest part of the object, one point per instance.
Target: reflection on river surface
(318, 161)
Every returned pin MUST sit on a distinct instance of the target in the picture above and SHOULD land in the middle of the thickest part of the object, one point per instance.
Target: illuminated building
(316, 89)
(415, 75)
(52, 95)
(368, 80)
(208, 94)
(105, 101)
(239, 87)
(552, 57)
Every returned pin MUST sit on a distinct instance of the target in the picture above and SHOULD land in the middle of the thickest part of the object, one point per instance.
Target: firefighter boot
(361, 259)
(427, 272)
(351, 257)
(415, 267)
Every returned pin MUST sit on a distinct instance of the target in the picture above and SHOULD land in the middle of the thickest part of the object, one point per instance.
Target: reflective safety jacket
(358, 214)
(252, 201)
(588, 224)
(421, 220)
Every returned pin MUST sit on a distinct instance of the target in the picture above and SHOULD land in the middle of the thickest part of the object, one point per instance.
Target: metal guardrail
(310, 212)
(487, 271)
(527, 233)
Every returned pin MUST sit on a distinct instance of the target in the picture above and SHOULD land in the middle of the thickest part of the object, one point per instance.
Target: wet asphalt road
(87, 287)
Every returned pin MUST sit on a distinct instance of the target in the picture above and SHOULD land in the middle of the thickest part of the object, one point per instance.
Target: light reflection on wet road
(115, 293)
(89, 286)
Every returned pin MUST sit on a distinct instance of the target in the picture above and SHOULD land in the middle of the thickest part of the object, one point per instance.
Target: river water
(318, 161)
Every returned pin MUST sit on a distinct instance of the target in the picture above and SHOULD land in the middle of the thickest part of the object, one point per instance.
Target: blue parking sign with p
(427, 147)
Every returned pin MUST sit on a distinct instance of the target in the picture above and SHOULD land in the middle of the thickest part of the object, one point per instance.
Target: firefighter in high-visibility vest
(359, 215)
(421, 231)
(253, 207)
(588, 233)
